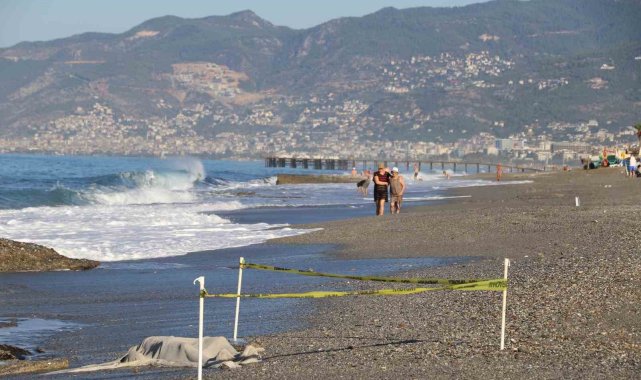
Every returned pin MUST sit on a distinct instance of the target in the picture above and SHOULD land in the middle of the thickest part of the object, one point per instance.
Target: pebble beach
(574, 295)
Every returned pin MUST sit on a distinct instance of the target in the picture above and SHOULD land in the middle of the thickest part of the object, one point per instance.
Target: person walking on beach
(626, 162)
(499, 171)
(633, 165)
(381, 182)
(397, 188)
(416, 171)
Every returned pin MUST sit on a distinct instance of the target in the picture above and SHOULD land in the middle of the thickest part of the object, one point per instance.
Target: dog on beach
(363, 185)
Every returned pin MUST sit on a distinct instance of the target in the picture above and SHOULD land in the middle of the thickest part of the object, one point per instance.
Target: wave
(140, 196)
(169, 179)
(130, 188)
(219, 181)
(148, 187)
(57, 195)
(172, 185)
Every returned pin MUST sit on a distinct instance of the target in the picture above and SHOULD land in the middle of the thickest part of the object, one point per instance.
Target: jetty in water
(362, 164)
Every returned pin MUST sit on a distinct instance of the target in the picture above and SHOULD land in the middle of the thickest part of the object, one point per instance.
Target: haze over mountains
(422, 74)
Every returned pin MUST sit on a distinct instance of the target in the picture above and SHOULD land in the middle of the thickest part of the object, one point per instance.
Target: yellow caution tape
(493, 285)
(441, 281)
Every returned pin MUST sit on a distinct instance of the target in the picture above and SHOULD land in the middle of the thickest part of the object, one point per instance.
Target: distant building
(545, 145)
(543, 155)
(504, 144)
(571, 146)
(568, 155)
(491, 151)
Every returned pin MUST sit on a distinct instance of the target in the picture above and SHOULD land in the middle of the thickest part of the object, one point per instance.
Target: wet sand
(94, 316)
(574, 307)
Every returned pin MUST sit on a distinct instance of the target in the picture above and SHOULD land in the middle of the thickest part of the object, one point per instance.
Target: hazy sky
(42, 20)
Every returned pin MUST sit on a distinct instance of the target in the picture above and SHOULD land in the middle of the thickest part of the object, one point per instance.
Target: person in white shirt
(633, 165)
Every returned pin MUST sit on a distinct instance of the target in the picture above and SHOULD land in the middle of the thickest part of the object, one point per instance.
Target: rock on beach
(288, 179)
(8, 352)
(22, 257)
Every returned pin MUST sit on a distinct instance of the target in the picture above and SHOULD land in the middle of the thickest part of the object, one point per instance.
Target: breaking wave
(172, 185)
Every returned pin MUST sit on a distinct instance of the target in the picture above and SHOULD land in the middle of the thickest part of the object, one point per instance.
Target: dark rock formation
(21, 257)
(8, 352)
(286, 179)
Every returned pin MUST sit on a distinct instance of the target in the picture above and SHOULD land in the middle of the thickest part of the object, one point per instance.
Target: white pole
(240, 282)
(201, 280)
(507, 264)
(577, 202)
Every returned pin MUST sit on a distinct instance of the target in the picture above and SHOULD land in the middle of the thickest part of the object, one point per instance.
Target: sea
(158, 224)
(130, 208)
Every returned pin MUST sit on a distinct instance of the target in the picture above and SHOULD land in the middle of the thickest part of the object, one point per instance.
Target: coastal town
(99, 131)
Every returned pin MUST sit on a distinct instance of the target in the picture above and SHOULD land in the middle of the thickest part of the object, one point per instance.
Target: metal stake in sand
(201, 280)
(577, 202)
(507, 264)
(240, 282)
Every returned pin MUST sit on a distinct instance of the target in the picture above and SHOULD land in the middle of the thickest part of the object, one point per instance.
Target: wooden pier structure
(363, 164)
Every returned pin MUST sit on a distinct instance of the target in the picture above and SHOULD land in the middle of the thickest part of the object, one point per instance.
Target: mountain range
(424, 73)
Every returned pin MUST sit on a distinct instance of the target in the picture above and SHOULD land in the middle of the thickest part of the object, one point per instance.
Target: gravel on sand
(574, 307)
(21, 367)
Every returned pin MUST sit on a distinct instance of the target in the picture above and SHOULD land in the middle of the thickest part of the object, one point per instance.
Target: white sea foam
(269, 180)
(191, 165)
(173, 185)
(113, 233)
(260, 182)
(139, 196)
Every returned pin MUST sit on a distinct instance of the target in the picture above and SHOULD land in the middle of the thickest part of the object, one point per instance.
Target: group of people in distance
(629, 159)
(389, 186)
(631, 164)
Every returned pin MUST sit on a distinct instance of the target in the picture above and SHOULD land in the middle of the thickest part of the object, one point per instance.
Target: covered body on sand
(171, 351)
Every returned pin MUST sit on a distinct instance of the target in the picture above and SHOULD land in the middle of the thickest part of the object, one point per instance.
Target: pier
(363, 164)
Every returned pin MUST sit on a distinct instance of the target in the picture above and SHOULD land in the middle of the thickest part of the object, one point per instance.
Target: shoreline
(454, 334)
(64, 350)
(568, 315)
(417, 235)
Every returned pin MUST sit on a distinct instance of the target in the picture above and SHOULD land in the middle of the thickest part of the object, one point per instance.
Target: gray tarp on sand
(179, 352)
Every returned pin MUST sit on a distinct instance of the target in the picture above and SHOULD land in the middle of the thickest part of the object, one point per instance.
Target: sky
(43, 20)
